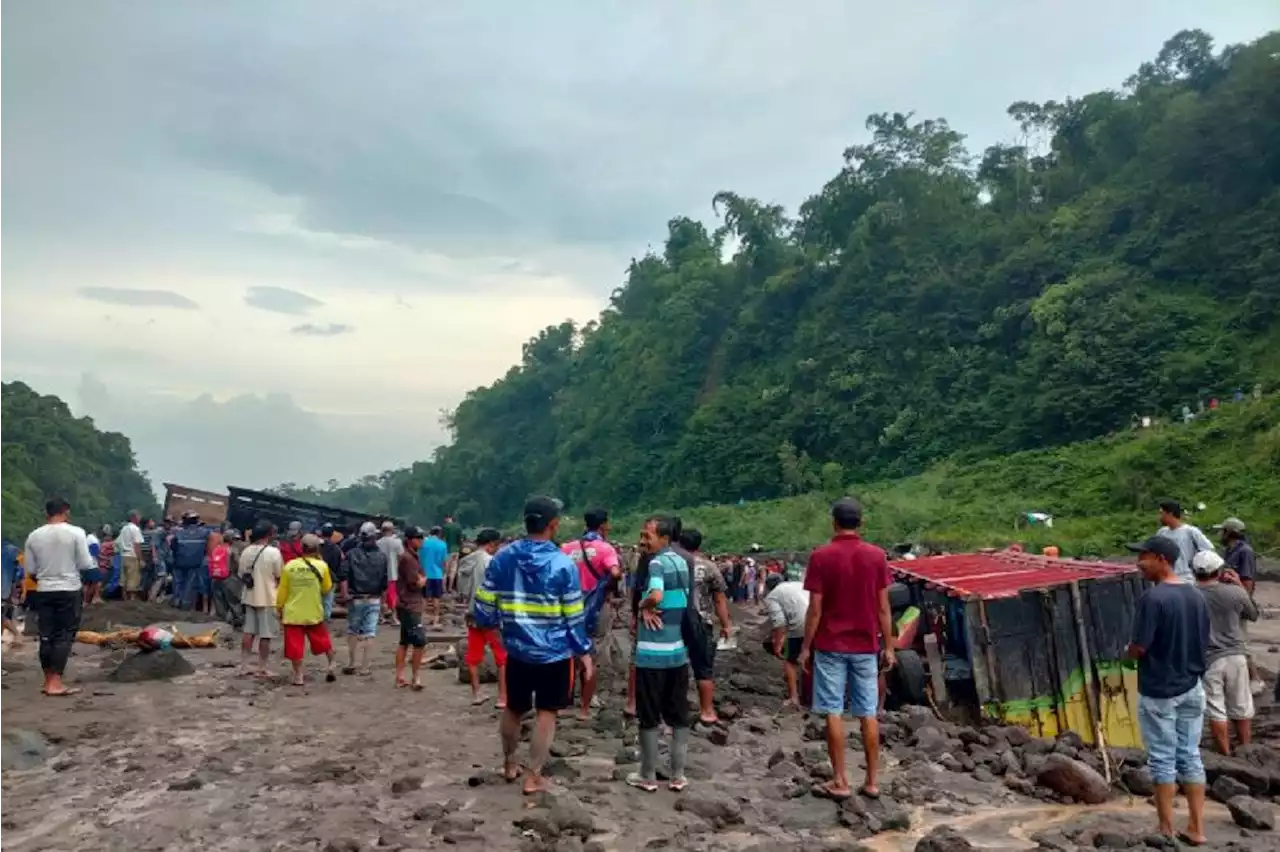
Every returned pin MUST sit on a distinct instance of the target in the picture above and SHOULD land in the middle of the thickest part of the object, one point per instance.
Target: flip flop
(401, 684)
(330, 677)
(417, 687)
(69, 691)
(824, 791)
(511, 777)
(477, 701)
(869, 792)
(1183, 837)
(500, 705)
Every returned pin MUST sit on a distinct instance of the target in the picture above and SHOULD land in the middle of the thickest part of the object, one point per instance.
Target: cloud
(138, 298)
(280, 300)
(332, 329)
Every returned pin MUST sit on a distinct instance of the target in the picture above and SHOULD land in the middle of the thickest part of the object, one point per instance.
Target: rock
(950, 763)
(342, 844)
(1107, 839)
(719, 736)
(434, 811)
(570, 817)
(1008, 761)
(1036, 745)
(777, 757)
(984, 775)
(539, 823)
(626, 754)
(929, 741)
(729, 711)
(1015, 735)
(1226, 788)
(815, 729)
(719, 811)
(191, 782)
(915, 717)
(1072, 778)
(1159, 841)
(479, 779)
(22, 749)
(1253, 814)
(610, 723)
(455, 824)
(1021, 786)
(1137, 780)
(569, 844)
(406, 784)
(558, 767)
(1259, 755)
(152, 665)
(488, 668)
(944, 838)
(822, 771)
(1257, 779)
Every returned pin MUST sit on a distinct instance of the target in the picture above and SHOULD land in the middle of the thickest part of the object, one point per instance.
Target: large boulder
(1251, 813)
(720, 811)
(1069, 777)
(1256, 778)
(152, 665)
(944, 838)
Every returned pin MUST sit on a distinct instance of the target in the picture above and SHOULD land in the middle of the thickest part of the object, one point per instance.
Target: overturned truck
(1027, 640)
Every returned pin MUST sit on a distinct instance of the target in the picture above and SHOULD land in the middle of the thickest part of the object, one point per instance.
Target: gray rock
(627, 754)
(777, 757)
(1257, 779)
(455, 824)
(929, 741)
(944, 838)
(1252, 814)
(1036, 745)
(1226, 788)
(983, 774)
(191, 782)
(152, 665)
(1015, 735)
(558, 767)
(719, 811)
(406, 784)
(1069, 777)
(570, 817)
(342, 844)
(1108, 839)
(1137, 780)
(22, 749)
(435, 810)
(719, 736)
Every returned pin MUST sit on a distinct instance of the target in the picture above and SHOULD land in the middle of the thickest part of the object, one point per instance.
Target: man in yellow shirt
(304, 582)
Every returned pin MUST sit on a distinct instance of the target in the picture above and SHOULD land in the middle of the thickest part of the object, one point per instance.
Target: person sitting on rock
(1227, 693)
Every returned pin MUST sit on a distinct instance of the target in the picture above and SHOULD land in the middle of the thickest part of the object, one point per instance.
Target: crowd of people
(546, 612)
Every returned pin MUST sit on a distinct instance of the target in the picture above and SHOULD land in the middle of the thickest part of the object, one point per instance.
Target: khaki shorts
(1226, 689)
(261, 621)
(131, 573)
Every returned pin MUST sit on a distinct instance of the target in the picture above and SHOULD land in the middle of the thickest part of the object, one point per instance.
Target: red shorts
(297, 635)
(392, 597)
(477, 639)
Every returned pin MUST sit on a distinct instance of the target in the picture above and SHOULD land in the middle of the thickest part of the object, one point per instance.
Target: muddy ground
(213, 760)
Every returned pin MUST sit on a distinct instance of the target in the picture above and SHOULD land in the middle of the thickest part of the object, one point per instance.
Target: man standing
(787, 604)
(259, 570)
(391, 545)
(711, 600)
(410, 606)
(453, 541)
(190, 545)
(291, 547)
(55, 554)
(1227, 693)
(1170, 638)
(599, 570)
(129, 546)
(531, 592)
(11, 578)
(1240, 558)
(331, 553)
(366, 581)
(471, 571)
(662, 660)
(300, 600)
(1189, 539)
(848, 622)
(434, 556)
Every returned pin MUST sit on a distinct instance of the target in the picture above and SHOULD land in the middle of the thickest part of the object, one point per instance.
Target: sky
(271, 242)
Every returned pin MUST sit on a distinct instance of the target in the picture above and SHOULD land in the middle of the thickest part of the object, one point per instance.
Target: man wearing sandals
(364, 588)
(532, 592)
(410, 607)
(54, 556)
(470, 575)
(662, 660)
(848, 584)
(304, 582)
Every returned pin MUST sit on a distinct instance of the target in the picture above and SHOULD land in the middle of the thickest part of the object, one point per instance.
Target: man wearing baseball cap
(1241, 559)
(532, 591)
(1228, 698)
(1170, 640)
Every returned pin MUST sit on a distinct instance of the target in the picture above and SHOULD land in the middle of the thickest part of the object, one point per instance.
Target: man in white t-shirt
(787, 603)
(54, 556)
(259, 571)
(129, 546)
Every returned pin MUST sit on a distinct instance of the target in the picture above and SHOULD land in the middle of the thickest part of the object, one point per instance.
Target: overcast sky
(271, 241)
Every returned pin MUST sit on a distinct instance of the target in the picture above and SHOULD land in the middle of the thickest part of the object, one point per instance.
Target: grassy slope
(1101, 493)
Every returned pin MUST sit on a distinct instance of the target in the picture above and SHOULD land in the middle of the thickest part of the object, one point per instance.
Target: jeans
(362, 617)
(836, 673)
(1171, 729)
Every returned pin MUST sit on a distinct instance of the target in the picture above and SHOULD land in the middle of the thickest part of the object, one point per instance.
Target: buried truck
(1021, 639)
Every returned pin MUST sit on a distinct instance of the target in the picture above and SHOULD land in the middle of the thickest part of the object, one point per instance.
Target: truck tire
(907, 680)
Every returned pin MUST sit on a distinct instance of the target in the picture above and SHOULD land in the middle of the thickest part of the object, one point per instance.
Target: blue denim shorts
(1171, 729)
(327, 600)
(362, 617)
(836, 675)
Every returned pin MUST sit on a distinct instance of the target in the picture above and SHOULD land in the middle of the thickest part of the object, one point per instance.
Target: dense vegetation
(1122, 259)
(48, 452)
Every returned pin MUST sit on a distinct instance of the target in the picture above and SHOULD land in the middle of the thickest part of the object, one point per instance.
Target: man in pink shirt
(599, 570)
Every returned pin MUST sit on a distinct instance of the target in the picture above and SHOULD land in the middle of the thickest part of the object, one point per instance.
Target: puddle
(999, 828)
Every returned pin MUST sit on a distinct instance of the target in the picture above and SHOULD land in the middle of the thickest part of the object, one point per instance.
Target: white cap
(1206, 562)
(368, 528)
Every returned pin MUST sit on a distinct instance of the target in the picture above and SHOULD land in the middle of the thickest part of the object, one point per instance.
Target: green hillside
(1102, 493)
(49, 452)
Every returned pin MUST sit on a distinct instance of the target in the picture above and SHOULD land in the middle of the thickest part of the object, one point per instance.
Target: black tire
(907, 680)
(899, 597)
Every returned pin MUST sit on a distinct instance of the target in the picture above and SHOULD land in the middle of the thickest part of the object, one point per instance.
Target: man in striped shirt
(531, 591)
(662, 661)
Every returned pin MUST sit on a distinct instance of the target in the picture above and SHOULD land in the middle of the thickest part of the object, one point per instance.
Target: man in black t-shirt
(1170, 639)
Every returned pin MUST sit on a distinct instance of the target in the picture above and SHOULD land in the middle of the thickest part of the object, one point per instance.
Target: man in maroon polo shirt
(848, 584)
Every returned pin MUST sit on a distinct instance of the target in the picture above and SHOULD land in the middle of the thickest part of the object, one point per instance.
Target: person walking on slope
(1170, 639)
(847, 624)
(409, 610)
(300, 599)
(599, 570)
(366, 582)
(1227, 693)
(532, 593)
(471, 572)
(54, 555)
(662, 660)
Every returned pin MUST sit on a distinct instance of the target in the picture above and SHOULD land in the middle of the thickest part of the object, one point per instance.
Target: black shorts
(662, 695)
(541, 686)
(412, 633)
(790, 648)
(702, 653)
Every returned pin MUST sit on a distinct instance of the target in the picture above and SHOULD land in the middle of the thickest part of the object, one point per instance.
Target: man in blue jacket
(532, 593)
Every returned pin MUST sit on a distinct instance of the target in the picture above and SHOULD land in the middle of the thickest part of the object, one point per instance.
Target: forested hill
(49, 452)
(1121, 259)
